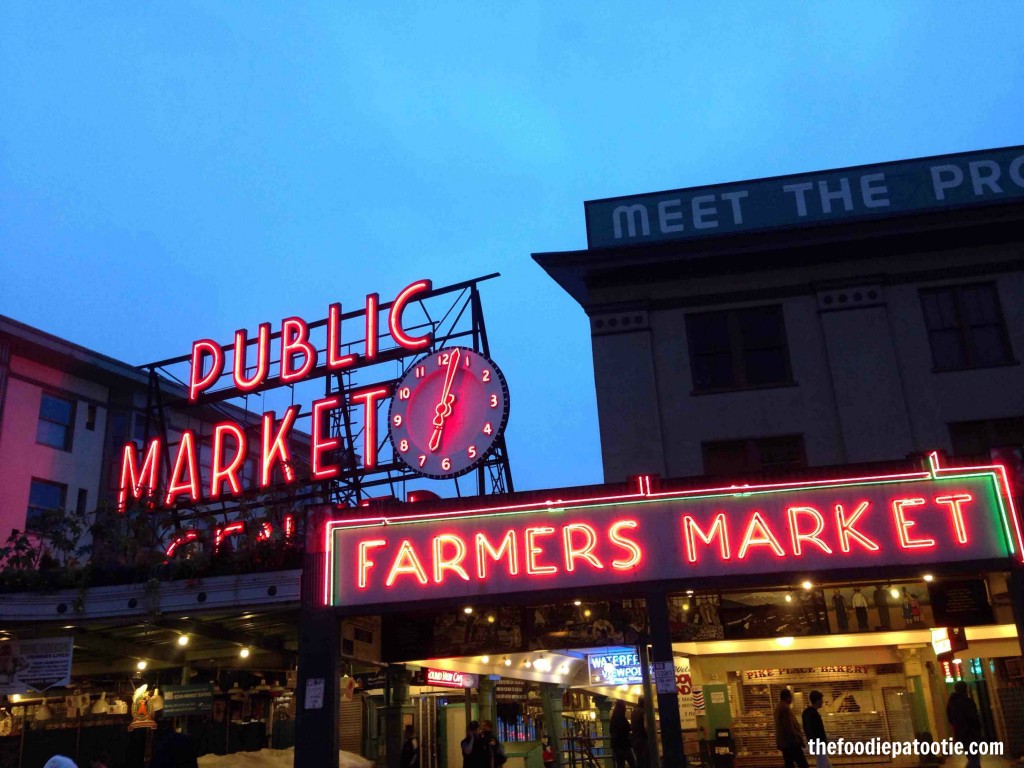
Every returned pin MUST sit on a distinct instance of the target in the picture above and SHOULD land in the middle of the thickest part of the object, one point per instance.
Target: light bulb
(508, 662)
(577, 602)
(528, 663)
(183, 640)
(807, 585)
(15, 697)
(244, 653)
(490, 618)
(140, 666)
(895, 593)
(789, 598)
(467, 610)
(929, 577)
(485, 659)
(586, 612)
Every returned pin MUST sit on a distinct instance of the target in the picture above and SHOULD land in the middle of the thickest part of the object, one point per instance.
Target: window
(965, 327)
(83, 502)
(56, 422)
(43, 497)
(90, 418)
(754, 456)
(738, 349)
(977, 438)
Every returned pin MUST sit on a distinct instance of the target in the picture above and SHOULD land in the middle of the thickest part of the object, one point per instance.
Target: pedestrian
(474, 751)
(881, 599)
(495, 751)
(410, 755)
(842, 615)
(547, 754)
(788, 737)
(814, 729)
(962, 713)
(638, 734)
(622, 751)
(59, 761)
(860, 608)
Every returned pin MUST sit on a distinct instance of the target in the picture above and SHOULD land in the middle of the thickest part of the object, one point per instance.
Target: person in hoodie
(962, 713)
(814, 728)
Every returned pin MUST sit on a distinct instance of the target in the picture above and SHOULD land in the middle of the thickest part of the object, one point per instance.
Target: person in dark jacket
(622, 749)
(638, 722)
(963, 716)
(788, 737)
(474, 750)
(814, 728)
(495, 751)
(410, 755)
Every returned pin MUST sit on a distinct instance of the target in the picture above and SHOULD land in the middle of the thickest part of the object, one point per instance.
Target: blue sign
(619, 668)
(964, 180)
(187, 700)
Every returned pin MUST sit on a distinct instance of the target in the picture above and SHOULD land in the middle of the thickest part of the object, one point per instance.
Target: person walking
(638, 723)
(814, 729)
(962, 713)
(474, 751)
(788, 737)
(622, 751)
(860, 609)
(495, 751)
(410, 755)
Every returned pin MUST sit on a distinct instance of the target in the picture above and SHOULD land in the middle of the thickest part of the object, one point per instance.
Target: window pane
(762, 327)
(947, 349)
(55, 409)
(781, 452)
(46, 495)
(939, 309)
(713, 371)
(765, 366)
(988, 346)
(708, 332)
(979, 304)
(726, 458)
(52, 434)
(968, 437)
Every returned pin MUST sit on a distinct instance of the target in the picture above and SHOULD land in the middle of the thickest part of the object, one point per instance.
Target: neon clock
(447, 413)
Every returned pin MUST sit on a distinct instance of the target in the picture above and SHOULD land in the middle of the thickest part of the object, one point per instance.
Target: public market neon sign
(942, 514)
(251, 370)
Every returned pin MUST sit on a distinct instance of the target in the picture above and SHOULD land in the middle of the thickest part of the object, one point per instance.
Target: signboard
(447, 678)
(648, 534)
(369, 681)
(948, 641)
(622, 668)
(962, 603)
(315, 693)
(187, 700)
(845, 194)
(684, 689)
(35, 664)
(664, 677)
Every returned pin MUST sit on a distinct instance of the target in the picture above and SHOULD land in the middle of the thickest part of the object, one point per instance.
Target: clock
(447, 413)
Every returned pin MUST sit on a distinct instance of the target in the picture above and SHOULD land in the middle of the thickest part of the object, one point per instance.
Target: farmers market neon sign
(941, 514)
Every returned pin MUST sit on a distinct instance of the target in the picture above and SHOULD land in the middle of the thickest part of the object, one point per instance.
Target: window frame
(737, 350)
(69, 437)
(963, 327)
(62, 487)
(752, 447)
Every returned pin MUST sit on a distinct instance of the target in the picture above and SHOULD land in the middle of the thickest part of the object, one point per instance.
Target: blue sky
(179, 171)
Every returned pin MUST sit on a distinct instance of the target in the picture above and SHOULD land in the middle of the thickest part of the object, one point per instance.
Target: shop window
(965, 327)
(755, 455)
(978, 438)
(56, 422)
(738, 349)
(43, 497)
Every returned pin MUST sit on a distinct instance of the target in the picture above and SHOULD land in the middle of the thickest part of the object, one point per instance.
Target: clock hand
(444, 407)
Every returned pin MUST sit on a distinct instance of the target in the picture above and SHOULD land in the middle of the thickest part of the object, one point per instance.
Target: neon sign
(446, 678)
(621, 668)
(942, 514)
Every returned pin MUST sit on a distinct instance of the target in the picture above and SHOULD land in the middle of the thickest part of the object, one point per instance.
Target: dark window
(738, 349)
(43, 497)
(977, 438)
(83, 502)
(755, 455)
(56, 422)
(965, 327)
(90, 418)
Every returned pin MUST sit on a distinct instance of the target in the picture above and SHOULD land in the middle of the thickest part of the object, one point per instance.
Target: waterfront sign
(650, 535)
(866, 191)
(620, 668)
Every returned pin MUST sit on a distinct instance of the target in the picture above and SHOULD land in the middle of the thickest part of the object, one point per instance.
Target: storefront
(828, 583)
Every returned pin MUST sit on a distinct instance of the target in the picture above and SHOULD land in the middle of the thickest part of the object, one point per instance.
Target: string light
(508, 662)
(485, 659)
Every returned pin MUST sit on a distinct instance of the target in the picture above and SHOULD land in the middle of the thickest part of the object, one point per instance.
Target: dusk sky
(176, 171)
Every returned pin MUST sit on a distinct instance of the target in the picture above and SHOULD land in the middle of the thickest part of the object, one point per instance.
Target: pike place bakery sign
(649, 534)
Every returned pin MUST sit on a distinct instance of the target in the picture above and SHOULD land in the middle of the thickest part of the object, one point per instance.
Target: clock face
(447, 412)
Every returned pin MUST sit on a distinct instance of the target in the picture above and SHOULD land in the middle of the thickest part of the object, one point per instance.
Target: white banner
(35, 664)
(684, 688)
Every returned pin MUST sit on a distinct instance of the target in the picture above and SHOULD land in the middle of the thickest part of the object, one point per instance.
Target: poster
(695, 617)
(315, 693)
(773, 613)
(962, 603)
(664, 676)
(684, 689)
(187, 700)
(871, 607)
(35, 664)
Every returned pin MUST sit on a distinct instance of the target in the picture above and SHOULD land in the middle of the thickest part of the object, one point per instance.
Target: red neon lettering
(406, 561)
(135, 483)
(173, 546)
(532, 550)
(847, 530)
(365, 563)
(507, 549)
(265, 532)
(336, 360)
(229, 472)
(289, 526)
(797, 536)
(586, 552)
(231, 529)
(275, 446)
(903, 525)
(185, 460)
(691, 531)
(262, 358)
(758, 534)
(369, 398)
(395, 317)
(454, 563)
(372, 326)
(197, 382)
(955, 502)
(321, 441)
(635, 553)
(295, 341)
